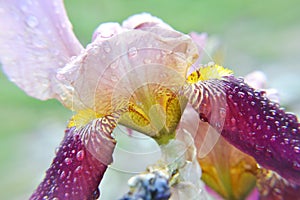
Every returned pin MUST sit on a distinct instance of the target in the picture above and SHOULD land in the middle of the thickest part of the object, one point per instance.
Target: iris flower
(147, 76)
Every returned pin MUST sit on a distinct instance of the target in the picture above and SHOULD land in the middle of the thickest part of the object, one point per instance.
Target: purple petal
(251, 122)
(36, 39)
(271, 186)
(75, 173)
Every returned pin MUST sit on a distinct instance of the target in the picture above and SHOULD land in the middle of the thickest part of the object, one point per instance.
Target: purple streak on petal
(74, 173)
(36, 39)
(252, 123)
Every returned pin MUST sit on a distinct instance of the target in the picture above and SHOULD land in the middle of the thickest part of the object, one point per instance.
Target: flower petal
(140, 70)
(36, 39)
(251, 122)
(144, 20)
(76, 172)
(271, 186)
(224, 168)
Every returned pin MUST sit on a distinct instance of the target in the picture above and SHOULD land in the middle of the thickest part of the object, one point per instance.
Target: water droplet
(296, 165)
(273, 138)
(80, 155)
(294, 131)
(114, 78)
(252, 103)
(32, 21)
(68, 161)
(56, 150)
(132, 52)
(24, 8)
(106, 49)
(114, 65)
(147, 61)
(96, 194)
(251, 134)
(259, 147)
(78, 169)
(297, 149)
(222, 112)
(241, 94)
(268, 127)
(67, 195)
(45, 197)
(277, 123)
(286, 140)
(62, 175)
(233, 121)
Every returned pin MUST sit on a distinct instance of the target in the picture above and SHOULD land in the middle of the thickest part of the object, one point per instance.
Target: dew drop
(32, 21)
(147, 61)
(114, 78)
(62, 175)
(96, 194)
(78, 169)
(241, 94)
(67, 195)
(252, 103)
(233, 121)
(222, 112)
(132, 52)
(24, 8)
(286, 140)
(273, 138)
(296, 165)
(45, 197)
(80, 155)
(297, 149)
(259, 147)
(251, 134)
(56, 150)
(114, 65)
(68, 161)
(107, 49)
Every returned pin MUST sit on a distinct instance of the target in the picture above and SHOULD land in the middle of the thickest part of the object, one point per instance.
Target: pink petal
(144, 20)
(76, 172)
(117, 67)
(251, 122)
(36, 39)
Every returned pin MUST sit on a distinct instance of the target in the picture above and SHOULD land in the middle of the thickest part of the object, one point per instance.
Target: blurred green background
(254, 34)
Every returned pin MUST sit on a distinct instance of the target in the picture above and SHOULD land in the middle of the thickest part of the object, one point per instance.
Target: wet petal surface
(225, 169)
(38, 39)
(75, 173)
(251, 122)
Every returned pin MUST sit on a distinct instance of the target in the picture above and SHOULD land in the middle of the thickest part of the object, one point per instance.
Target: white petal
(36, 39)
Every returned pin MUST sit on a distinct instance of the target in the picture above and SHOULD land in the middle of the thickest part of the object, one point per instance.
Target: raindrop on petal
(114, 65)
(32, 21)
(132, 52)
(78, 169)
(62, 175)
(68, 161)
(80, 155)
(297, 149)
(114, 78)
